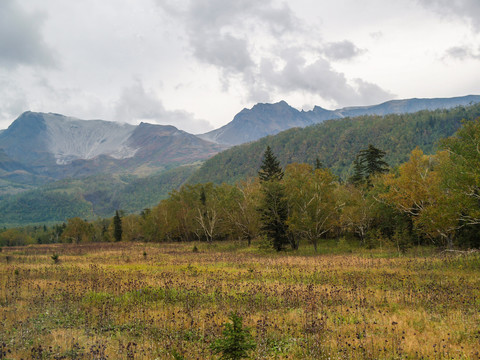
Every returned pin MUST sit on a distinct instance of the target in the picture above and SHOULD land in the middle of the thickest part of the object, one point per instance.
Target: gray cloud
(342, 50)
(13, 102)
(466, 9)
(462, 53)
(321, 79)
(21, 42)
(225, 34)
(368, 93)
(224, 50)
(218, 30)
(136, 104)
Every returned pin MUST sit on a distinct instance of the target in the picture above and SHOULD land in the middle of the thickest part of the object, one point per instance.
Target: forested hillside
(335, 143)
(96, 196)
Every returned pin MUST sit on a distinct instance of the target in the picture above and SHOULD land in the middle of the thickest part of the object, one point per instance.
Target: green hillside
(336, 142)
(96, 196)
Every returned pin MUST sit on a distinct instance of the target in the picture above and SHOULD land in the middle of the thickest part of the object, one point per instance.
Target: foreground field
(165, 301)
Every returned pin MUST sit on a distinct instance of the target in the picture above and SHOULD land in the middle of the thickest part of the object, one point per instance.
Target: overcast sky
(196, 63)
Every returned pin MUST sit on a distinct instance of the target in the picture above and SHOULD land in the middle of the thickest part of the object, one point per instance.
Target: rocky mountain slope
(270, 119)
(38, 148)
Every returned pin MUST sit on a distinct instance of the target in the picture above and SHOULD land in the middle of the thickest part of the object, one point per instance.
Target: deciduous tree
(313, 209)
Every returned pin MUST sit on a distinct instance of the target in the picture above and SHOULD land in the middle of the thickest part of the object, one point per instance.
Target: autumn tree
(313, 209)
(77, 230)
(240, 206)
(182, 211)
(15, 237)
(208, 211)
(358, 211)
(461, 174)
(418, 191)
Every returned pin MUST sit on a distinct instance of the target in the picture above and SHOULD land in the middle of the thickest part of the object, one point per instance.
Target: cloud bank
(219, 34)
(21, 42)
(136, 104)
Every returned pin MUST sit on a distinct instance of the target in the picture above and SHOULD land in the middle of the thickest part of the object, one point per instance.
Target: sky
(195, 64)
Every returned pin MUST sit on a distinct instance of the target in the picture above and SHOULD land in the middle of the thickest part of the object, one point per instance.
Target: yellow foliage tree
(313, 209)
(77, 231)
(418, 191)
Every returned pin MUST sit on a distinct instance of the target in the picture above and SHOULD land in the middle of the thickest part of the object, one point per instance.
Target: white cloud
(13, 102)
(468, 10)
(136, 104)
(246, 40)
(78, 58)
(342, 50)
(320, 78)
(462, 52)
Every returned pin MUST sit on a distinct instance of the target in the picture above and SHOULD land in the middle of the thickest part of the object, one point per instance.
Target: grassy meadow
(166, 301)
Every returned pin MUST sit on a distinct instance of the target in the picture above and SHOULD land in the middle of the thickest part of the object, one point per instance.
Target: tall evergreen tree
(274, 207)
(270, 169)
(372, 159)
(358, 172)
(368, 162)
(117, 227)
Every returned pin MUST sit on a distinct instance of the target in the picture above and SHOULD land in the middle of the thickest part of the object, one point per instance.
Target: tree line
(429, 199)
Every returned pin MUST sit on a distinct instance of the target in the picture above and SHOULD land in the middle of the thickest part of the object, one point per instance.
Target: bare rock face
(56, 146)
(70, 139)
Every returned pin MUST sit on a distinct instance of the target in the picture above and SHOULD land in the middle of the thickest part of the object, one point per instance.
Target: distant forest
(336, 142)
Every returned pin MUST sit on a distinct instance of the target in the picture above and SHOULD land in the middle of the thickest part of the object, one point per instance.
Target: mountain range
(270, 119)
(53, 167)
(39, 148)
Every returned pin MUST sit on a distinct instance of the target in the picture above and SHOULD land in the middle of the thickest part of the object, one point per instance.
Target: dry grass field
(165, 301)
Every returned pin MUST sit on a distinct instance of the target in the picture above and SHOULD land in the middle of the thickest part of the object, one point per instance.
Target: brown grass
(110, 301)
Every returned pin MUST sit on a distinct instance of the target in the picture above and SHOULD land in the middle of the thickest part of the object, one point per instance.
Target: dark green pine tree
(270, 169)
(373, 163)
(117, 227)
(236, 341)
(368, 162)
(318, 164)
(203, 197)
(273, 207)
(358, 172)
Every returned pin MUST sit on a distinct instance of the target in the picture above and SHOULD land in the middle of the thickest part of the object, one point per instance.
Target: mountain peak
(27, 125)
(269, 119)
(278, 105)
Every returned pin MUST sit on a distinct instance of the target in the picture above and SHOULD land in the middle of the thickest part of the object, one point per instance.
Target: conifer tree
(274, 207)
(236, 341)
(368, 162)
(270, 169)
(117, 227)
(358, 172)
(372, 159)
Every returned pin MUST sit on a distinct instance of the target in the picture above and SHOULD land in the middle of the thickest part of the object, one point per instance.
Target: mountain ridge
(252, 124)
(46, 147)
(41, 181)
(336, 142)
